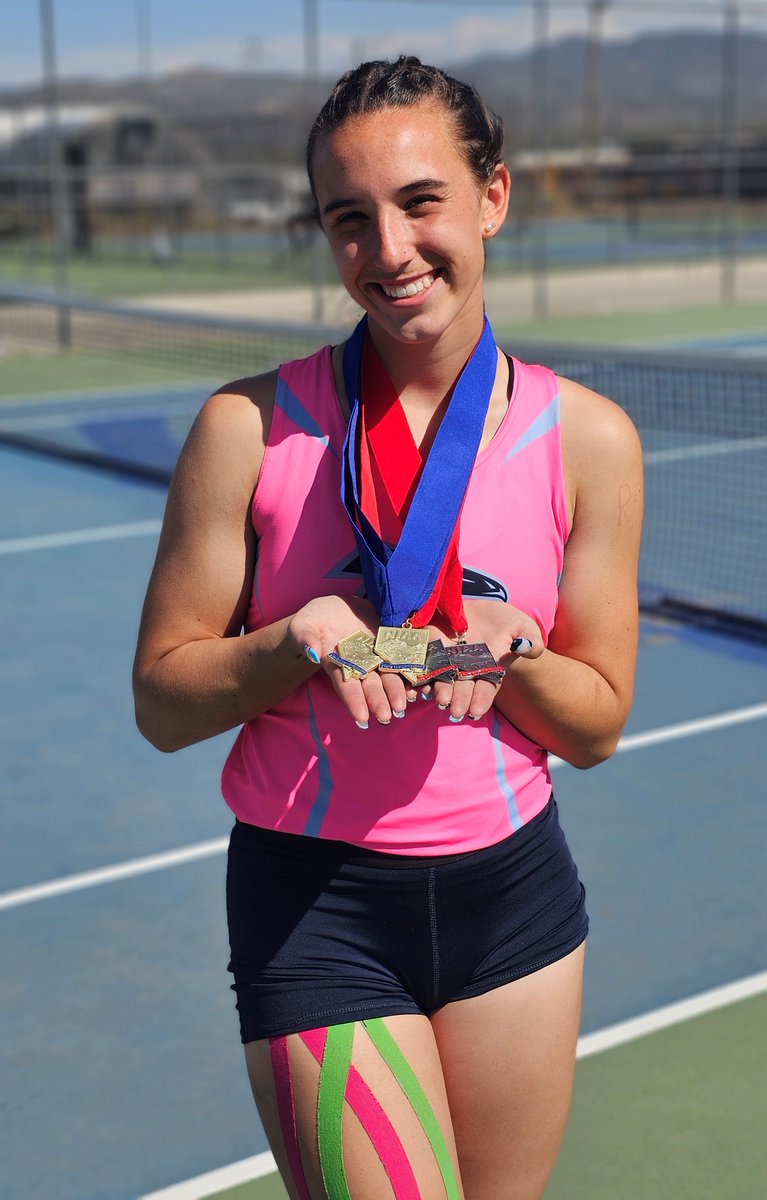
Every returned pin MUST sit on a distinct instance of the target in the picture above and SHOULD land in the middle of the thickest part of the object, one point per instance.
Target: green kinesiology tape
(330, 1109)
(418, 1100)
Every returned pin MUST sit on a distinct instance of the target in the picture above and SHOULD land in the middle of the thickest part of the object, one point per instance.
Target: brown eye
(348, 217)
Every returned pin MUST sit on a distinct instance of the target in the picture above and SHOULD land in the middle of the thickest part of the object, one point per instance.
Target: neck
(423, 373)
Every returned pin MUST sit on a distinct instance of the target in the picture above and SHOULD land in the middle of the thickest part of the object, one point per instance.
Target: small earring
(490, 226)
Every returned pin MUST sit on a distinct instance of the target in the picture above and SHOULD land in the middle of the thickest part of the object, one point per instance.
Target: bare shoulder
(602, 455)
(598, 436)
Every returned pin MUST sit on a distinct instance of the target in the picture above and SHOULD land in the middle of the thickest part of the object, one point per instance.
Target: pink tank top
(420, 785)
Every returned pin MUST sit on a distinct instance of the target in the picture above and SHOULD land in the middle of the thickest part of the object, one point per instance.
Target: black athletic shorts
(322, 932)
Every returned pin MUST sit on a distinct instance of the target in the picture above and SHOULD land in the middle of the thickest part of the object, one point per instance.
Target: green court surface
(111, 272)
(678, 1114)
(675, 1115)
(654, 327)
(29, 374)
(35, 373)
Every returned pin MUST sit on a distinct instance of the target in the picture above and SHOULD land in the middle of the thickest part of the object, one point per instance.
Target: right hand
(321, 624)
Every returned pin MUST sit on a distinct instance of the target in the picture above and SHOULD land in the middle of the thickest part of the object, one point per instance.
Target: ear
(495, 201)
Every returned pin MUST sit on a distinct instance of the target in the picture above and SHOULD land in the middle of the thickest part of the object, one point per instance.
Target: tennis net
(702, 420)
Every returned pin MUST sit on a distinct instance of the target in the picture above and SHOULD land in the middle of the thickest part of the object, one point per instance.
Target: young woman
(407, 926)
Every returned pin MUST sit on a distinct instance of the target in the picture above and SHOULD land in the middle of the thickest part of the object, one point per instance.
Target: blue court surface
(121, 1063)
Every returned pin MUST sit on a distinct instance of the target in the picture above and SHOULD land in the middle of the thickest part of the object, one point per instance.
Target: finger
(442, 691)
(394, 687)
(463, 690)
(376, 698)
(352, 696)
(482, 699)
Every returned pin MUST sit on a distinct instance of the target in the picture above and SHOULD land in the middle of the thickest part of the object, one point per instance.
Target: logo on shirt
(476, 584)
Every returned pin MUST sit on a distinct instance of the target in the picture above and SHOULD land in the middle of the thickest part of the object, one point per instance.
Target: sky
(100, 38)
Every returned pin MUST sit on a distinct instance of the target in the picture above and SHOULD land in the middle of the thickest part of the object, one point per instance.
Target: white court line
(671, 1014)
(203, 1186)
(172, 858)
(136, 866)
(76, 537)
(709, 450)
(215, 1181)
(671, 733)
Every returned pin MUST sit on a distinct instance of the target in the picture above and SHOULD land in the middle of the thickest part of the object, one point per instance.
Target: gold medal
(355, 655)
(401, 649)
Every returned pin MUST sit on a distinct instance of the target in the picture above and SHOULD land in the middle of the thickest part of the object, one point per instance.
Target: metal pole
(541, 140)
(593, 107)
(57, 173)
(163, 239)
(311, 76)
(730, 153)
(143, 39)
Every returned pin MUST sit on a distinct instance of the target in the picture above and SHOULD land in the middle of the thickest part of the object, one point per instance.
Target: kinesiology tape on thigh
(341, 1083)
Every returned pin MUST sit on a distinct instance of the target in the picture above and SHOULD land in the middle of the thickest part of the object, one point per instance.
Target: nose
(391, 240)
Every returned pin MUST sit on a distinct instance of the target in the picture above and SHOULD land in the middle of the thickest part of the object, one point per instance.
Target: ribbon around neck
(400, 579)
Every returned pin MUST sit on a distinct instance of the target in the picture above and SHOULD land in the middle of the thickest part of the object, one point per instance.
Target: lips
(404, 290)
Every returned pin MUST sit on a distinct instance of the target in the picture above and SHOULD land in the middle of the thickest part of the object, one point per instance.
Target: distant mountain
(656, 85)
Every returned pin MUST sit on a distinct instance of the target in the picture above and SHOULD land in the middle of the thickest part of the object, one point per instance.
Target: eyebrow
(418, 186)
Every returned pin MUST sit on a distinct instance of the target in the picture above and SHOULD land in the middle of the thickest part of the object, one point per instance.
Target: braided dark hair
(376, 85)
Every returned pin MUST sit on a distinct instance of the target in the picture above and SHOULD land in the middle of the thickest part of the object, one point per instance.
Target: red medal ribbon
(390, 468)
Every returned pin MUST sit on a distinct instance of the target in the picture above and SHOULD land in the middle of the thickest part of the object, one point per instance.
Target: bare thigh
(508, 1059)
(365, 1163)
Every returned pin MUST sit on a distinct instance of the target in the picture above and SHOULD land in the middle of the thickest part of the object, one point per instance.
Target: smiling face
(406, 221)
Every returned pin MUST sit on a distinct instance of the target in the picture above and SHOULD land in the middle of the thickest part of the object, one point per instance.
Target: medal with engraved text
(401, 649)
(473, 660)
(438, 665)
(356, 655)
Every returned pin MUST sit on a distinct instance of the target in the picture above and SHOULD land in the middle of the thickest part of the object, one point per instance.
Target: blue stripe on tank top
(289, 403)
(319, 809)
(543, 424)
(502, 777)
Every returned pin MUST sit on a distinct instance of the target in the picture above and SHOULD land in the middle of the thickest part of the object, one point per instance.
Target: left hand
(498, 625)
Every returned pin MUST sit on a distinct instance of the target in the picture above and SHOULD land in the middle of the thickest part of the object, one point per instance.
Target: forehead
(390, 147)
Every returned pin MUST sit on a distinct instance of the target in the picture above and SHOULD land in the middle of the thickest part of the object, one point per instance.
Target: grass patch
(106, 274)
(60, 372)
(658, 327)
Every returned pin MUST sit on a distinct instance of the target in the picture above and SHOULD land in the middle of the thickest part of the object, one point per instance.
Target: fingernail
(442, 707)
(380, 722)
(521, 645)
(412, 699)
(473, 718)
(361, 724)
(426, 695)
(398, 715)
(457, 720)
(312, 655)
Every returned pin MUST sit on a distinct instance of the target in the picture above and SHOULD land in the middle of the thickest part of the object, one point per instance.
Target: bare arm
(194, 676)
(575, 697)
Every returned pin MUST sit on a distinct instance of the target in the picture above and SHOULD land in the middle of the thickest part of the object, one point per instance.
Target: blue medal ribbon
(400, 579)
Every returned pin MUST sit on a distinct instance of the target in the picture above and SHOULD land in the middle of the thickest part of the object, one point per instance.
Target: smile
(410, 289)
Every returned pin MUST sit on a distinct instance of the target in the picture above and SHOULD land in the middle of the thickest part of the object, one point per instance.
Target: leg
(508, 1059)
(361, 1109)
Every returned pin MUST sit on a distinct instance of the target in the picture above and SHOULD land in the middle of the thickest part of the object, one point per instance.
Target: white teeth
(412, 289)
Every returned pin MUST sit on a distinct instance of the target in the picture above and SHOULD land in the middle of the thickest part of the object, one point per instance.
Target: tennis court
(123, 1071)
